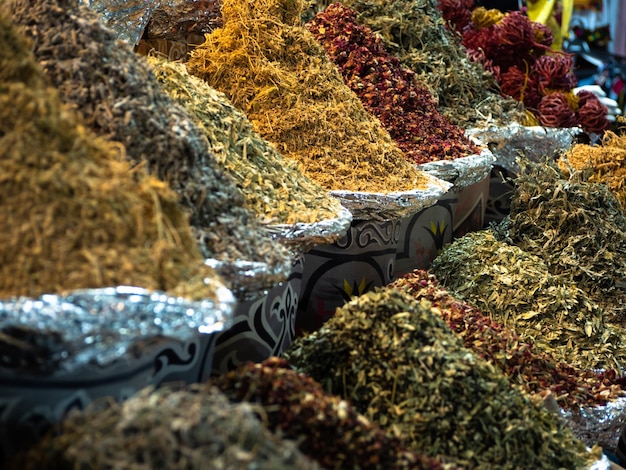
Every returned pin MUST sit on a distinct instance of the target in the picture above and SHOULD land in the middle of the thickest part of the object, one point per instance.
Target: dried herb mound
(520, 361)
(387, 89)
(577, 227)
(190, 428)
(397, 361)
(274, 187)
(517, 52)
(272, 68)
(605, 163)
(517, 290)
(415, 32)
(76, 215)
(120, 99)
(328, 428)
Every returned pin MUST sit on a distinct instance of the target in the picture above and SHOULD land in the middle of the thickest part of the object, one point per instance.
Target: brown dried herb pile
(415, 32)
(577, 227)
(605, 163)
(272, 68)
(520, 361)
(120, 99)
(400, 365)
(388, 90)
(274, 187)
(328, 429)
(191, 428)
(517, 290)
(75, 214)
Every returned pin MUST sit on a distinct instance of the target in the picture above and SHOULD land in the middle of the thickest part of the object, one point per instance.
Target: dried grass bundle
(73, 213)
(273, 69)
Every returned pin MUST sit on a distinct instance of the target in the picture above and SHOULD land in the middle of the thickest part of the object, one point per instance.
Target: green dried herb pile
(520, 361)
(74, 214)
(415, 32)
(399, 364)
(605, 162)
(273, 69)
(190, 428)
(577, 227)
(274, 186)
(327, 428)
(517, 290)
(120, 99)
(387, 89)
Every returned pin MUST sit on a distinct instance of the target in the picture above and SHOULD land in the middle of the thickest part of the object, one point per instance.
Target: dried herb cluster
(327, 428)
(274, 187)
(397, 361)
(517, 290)
(517, 52)
(415, 32)
(272, 68)
(75, 214)
(387, 89)
(117, 94)
(520, 361)
(577, 227)
(191, 428)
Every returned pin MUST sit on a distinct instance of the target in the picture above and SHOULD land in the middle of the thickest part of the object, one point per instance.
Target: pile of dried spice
(191, 428)
(120, 99)
(577, 227)
(272, 68)
(274, 187)
(387, 89)
(517, 52)
(415, 32)
(75, 214)
(399, 364)
(327, 428)
(533, 370)
(606, 163)
(517, 290)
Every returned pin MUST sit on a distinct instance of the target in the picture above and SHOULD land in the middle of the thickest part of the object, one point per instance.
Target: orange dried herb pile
(272, 68)
(74, 213)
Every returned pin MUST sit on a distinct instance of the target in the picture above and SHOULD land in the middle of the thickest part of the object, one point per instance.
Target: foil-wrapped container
(463, 171)
(62, 352)
(249, 280)
(128, 18)
(302, 236)
(508, 143)
(392, 205)
(598, 425)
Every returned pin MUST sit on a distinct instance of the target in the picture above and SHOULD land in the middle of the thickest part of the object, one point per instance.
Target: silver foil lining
(100, 326)
(303, 236)
(392, 205)
(508, 143)
(464, 171)
(127, 18)
(601, 425)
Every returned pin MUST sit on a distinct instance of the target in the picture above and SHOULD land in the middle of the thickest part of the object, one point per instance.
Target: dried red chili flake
(533, 370)
(327, 428)
(388, 90)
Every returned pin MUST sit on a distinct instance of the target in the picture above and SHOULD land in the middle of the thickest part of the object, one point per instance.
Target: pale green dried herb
(516, 289)
(397, 362)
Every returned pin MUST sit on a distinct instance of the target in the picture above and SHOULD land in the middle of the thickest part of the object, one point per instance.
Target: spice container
(61, 352)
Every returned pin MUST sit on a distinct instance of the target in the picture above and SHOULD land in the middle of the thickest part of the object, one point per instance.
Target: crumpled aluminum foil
(99, 326)
(128, 18)
(508, 143)
(462, 172)
(250, 280)
(302, 236)
(393, 205)
(601, 425)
